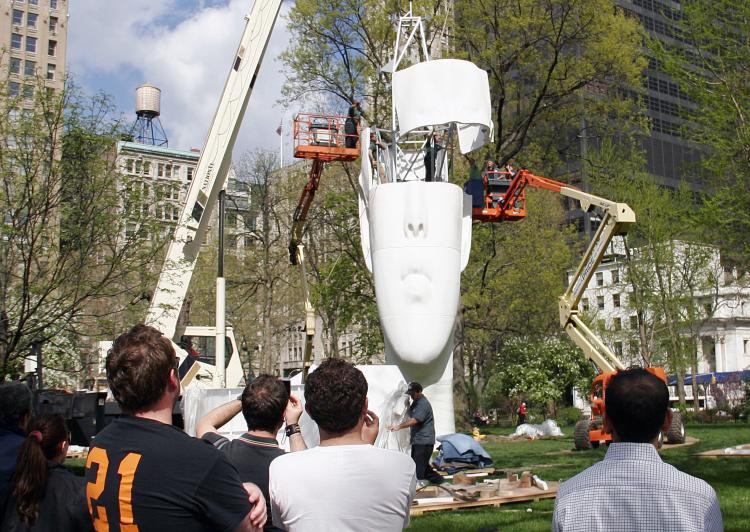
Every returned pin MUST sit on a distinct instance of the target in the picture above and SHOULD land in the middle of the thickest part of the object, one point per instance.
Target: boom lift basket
(324, 137)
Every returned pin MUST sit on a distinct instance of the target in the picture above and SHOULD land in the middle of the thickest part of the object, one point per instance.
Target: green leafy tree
(711, 66)
(70, 256)
(537, 370)
(343, 290)
(673, 277)
(555, 69)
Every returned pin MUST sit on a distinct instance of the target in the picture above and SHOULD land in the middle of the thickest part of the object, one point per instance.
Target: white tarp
(547, 429)
(443, 91)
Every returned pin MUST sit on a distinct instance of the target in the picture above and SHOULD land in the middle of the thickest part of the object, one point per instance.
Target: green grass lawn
(730, 477)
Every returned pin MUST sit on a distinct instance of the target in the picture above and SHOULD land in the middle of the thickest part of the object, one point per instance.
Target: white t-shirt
(343, 487)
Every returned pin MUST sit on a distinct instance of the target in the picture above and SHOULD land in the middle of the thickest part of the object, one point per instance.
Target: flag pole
(281, 143)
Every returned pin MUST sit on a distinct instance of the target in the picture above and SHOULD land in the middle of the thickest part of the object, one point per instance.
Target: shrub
(569, 415)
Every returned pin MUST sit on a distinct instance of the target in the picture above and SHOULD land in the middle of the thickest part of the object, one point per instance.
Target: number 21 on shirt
(94, 490)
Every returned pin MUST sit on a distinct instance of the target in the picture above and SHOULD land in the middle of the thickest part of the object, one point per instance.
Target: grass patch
(730, 477)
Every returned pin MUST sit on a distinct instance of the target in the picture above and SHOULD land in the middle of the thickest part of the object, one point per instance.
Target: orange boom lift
(500, 196)
(322, 139)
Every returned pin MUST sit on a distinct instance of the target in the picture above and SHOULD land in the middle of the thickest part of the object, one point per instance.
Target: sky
(184, 47)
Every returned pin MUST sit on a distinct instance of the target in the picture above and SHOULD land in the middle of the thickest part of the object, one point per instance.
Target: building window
(615, 276)
(33, 2)
(231, 219)
(601, 325)
(585, 304)
(17, 17)
(31, 19)
(618, 349)
(634, 322)
(633, 348)
(599, 279)
(13, 89)
(52, 48)
(160, 170)
(129, 166)
(176, 171)
(190, 171)
(600, 302)
(31, 45)
(247, 241)
(53, 25)
(28, 91)
(147, 168)
(15, 41)
(29, 68)
(53, 4)
(50, 71)
(616, 300)
(617, 324)
(138, 166)
(15, 65)
(746, 346)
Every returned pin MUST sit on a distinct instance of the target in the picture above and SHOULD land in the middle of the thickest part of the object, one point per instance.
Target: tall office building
(668, 154)
(33, 37)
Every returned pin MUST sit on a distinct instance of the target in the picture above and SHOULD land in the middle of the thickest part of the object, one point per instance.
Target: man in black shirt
(265, 404)
(433, 158)
(143, 473)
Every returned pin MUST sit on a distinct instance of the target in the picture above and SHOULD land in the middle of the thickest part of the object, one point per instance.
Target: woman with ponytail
(44, 495)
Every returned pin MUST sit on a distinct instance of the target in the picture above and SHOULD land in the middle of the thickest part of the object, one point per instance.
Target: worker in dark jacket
(421, 422)
(15, 411)
(351, 125)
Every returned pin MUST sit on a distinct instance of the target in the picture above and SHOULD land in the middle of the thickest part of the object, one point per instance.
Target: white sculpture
(416, 234)
(418, 240)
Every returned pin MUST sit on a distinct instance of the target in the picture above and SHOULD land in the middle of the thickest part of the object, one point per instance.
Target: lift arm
(617, 219)
(303, 206)
(211, 172)
(297, 256)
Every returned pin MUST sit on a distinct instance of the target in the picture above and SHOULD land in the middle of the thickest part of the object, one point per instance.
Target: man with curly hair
(345, 483)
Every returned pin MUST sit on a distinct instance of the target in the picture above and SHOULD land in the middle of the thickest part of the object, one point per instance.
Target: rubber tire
(581, 435)
(676, 431)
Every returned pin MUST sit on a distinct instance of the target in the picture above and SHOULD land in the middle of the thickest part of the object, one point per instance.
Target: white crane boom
(211, 173)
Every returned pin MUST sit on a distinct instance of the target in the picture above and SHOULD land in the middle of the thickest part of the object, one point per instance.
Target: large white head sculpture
(417, 238)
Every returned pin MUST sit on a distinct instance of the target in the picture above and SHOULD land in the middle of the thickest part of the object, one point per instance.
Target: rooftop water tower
(147, 128)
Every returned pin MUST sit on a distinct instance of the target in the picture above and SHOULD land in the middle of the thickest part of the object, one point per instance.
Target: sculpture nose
(415, 216)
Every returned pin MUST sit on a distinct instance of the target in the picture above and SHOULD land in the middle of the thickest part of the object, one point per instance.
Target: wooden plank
(738, 451)
(521, 495)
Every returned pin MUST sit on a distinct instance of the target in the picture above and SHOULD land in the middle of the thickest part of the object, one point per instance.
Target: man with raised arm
(265, 404)
(421, 425)
(345, 484)
(632, 489)
(145, 474)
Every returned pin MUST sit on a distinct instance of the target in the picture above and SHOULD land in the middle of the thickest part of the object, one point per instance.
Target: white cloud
(186, 49)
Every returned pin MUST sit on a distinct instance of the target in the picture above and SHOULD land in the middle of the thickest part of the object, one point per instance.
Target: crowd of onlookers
(142, 473)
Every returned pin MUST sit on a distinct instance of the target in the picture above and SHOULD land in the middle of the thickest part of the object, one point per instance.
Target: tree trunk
(694, 375)
(460, 393)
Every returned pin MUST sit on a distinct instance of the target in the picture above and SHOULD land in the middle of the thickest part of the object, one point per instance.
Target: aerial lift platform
(500, 196)
(322, 139)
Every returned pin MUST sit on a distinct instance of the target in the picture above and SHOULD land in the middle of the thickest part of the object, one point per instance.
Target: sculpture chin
(418, 340)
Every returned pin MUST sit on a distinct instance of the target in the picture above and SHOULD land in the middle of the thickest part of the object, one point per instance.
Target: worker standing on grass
(421, 422)
(632, 489)
(521, 415)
